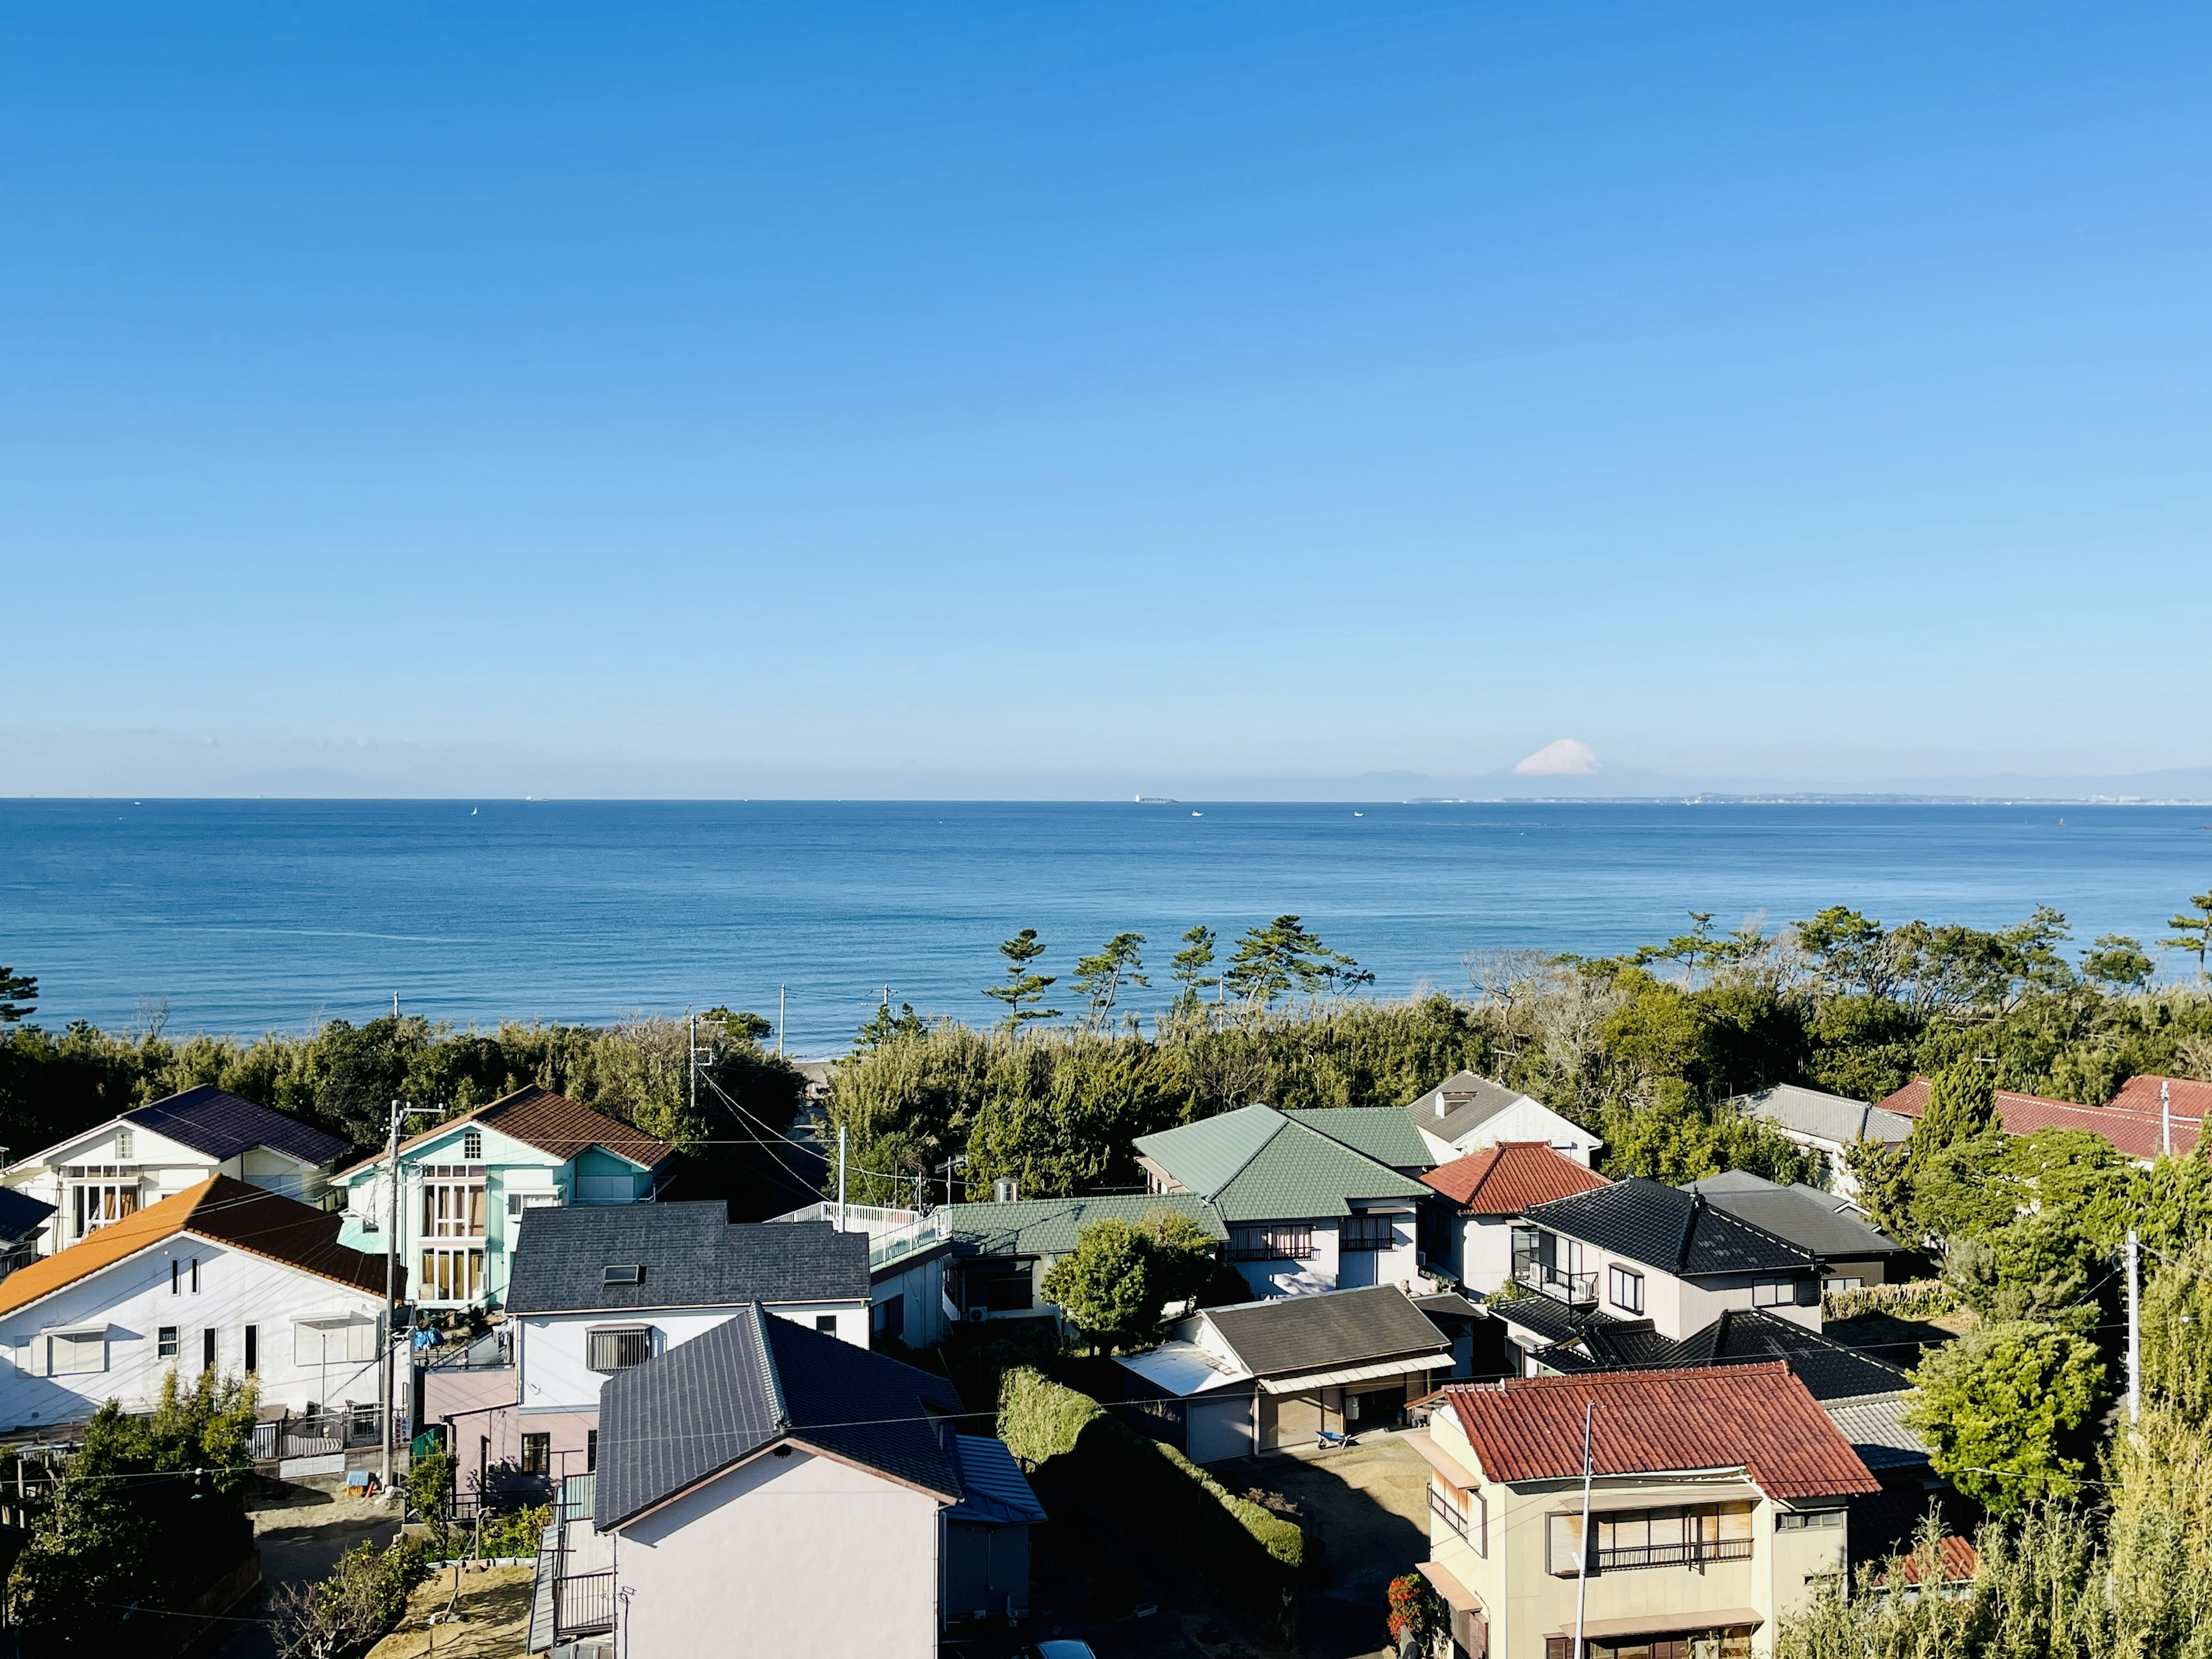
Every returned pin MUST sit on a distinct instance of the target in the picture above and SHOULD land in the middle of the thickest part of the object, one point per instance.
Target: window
(71, 1353)
(537, 1454)
(606, 1189)
(1727, 1644)
(1545, 1262)
(453, 1201)
(1834, 1285)
(104, 1196)
(1773, 1294)
(176, 1268)
(207, 1349)
(165, 1342)
(630, 1273)
(123, 1144)
(450, 1275)
(590, 1450)
(331, 1340)
(1677, 1536)
(253, 1348)
(1367, 1232)
(1465, 1512)
(1807, 1520)
(472, 1144)
(998, 1286)
(890, 1315)
(1281, 1241)
(196, 1275)
(618, 1347)
(1625, 1287)
(826, 1323)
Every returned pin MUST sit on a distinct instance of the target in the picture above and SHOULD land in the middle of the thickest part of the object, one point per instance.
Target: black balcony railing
(583, 1604)
(1631, 1556)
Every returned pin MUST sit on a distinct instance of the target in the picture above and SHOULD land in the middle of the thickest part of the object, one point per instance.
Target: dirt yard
(488, 1618)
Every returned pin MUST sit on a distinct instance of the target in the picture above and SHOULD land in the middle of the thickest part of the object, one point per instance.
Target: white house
(1829, 1125)
(1465, 1112)
(151, 1152)
(222, 1277)
(1487, 1193)
(769, 1485)
(595, 1291)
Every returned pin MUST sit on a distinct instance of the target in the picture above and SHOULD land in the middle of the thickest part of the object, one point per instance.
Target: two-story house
(222, 1276)
(1717, 1507)
(1853, 1254)
(597, 1289)
(1465, 1112)
(1304, 1211)
(153, 1152)
(466, 1185)
(1483, 1197)
(1001, 1252)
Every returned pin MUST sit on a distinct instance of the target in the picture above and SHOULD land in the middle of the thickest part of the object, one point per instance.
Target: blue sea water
(248, 915)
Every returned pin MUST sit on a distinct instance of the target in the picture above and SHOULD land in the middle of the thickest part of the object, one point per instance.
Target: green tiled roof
(1260, 1164)
(1385, 1134)
(1049, 1226)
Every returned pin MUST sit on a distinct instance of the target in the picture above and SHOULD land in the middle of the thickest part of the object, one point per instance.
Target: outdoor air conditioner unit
(976, 1316)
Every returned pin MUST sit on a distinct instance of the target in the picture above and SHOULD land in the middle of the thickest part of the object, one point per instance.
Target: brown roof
(1507, 1178)
(1757, 1418)
(2133, 1129)
(1956, 1558)
(553, 1124)
(224, 1211)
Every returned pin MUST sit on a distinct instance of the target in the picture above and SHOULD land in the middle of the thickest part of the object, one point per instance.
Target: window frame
(1353, 1232)
(610, 1349)
(78, 1342)
(1618, 1278)
(1276, 1241)
(165, 1342)
(537, 1454)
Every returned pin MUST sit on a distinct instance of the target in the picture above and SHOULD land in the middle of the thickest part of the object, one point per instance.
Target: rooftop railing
(891, 1233)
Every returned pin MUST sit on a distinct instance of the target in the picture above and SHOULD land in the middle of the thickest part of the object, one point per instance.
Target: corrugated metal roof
(1830, 1117)
(992, 1488)
(1875, 1425)
(1510, 1178)
(222, 1125)
(1260, 1164)
(1757, 1418)
(1384, 1133)
(692, 1255)
(1468, 1103)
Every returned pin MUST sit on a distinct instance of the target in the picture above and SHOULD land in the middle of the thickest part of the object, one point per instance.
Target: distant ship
(1156, 800)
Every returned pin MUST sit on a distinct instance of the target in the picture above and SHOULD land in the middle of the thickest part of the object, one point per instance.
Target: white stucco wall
(551, 1350)
(1330, 1267)
(159, 1166)
(1525, 1119)
(131, 1300)
(797, 1554)
(1484, 1258)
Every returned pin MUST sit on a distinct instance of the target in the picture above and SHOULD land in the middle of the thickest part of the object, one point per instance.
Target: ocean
(260, 914)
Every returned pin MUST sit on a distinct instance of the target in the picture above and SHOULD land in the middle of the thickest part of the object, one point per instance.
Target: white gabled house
(1465, 1112)
(222, 1277)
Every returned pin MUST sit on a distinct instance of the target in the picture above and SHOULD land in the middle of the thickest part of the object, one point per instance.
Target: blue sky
(852, 399)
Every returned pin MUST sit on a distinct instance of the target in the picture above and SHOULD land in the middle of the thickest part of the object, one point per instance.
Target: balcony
(1558, 1283)
(1629, 1558)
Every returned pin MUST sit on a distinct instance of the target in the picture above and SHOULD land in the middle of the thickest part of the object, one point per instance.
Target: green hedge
(1078, 1451)
(1918, 1298)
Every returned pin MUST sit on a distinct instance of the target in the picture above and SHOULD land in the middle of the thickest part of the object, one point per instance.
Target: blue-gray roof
(222, 1125)
(992, 1488)
(690, 1255)
(20, 1215)
(1677, 1232)
(707, 1404)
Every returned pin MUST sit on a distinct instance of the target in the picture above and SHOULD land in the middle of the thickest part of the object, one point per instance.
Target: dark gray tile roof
(1829, 1371)
(20, 1215)
(1334, 1328)
(1677, 1232)
(222, 1125)
(1804, 1217)
(1543, 1318)
(692, 1255)
(705, 1404)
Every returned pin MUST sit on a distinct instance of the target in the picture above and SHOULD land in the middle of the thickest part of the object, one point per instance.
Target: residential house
(1855, 1253)
(1829, 1125)
(772, 1485)
(1384, 1133)
(2136, 1134)
(1740, 1336)
(1717, 1508)
(150, 1154)
(2176, 1104)
(598, 1290)
(22, 1221)
(1640, 1249)
(1484, 1194)
(468, 1183)
(1304, 1211)
(909, 1252)
(1267, 1376)
(1465, 1112)
(1002, 1251)
(223, 1276)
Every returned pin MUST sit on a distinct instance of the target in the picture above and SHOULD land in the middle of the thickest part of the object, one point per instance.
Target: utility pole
(780, 994)
(691, 1054)
(2166, 1117)
(841, 1177)
(1582, 1565)
(2135, 1336)
(391, 1276)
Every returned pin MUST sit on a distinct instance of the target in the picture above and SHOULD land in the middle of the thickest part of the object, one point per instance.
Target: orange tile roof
(1757, 1418)
(1507, 1178)
(2132, 1131)
(1956, 1559)
(223, 1211)
(553, 1124)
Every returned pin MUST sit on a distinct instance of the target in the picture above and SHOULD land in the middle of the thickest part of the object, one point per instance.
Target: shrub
(343, 1616)
(1416, 1610)
(1918, 1298)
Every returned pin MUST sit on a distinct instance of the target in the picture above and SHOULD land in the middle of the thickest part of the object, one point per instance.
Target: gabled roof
(224, 1211)
(1260, 1164)
(1385, 1134)
(1831, 1117)
(1287, 1334)
(222, 1124)
(1875, 1425)
(707, 1405)
(553, 1124)
(1509, 1178)
(2189, 1098)
(1467, 1102)
(1756, 1418)
(2132, 1133)
(1677, 1232)
(20, 1215)
(690, 1254)
(1802, 1215)
(1828, 1370)
(1050, 1226)
(992, 1488)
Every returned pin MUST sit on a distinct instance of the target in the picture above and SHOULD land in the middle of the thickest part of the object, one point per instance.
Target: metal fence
(318, 1435)
(583, 1604)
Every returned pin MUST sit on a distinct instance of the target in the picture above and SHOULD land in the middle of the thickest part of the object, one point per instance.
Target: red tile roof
(1955, 1557)
(2133, 1132)
(1507, 1178)
(1757, 1418)
(553, 1124)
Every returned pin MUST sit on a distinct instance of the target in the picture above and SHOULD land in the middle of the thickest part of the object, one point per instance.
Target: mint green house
(466, 1186)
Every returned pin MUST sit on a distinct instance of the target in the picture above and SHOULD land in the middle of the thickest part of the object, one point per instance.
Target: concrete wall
(1483, 1251)
(131, 1302)
(797, 1554)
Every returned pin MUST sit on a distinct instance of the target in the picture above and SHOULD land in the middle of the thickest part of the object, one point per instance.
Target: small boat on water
(1197, 815)
(1359, 815)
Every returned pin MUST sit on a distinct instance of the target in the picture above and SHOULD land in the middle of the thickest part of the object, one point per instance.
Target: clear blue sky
(863, 399)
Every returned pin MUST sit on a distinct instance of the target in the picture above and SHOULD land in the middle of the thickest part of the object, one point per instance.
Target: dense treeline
(1643, 1047)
